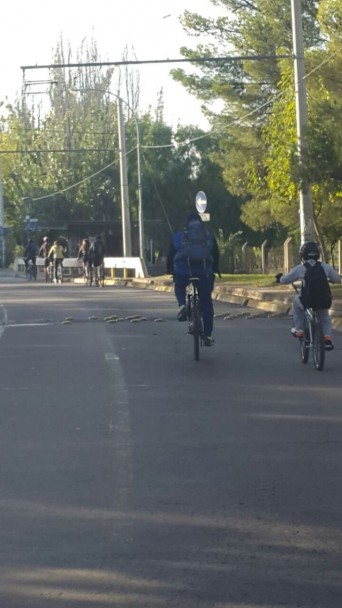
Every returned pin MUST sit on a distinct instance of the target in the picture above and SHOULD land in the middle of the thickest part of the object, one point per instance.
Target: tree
(256, 123)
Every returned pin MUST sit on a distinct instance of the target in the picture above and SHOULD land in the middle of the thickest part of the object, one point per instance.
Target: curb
(277, 301)
(262, 299)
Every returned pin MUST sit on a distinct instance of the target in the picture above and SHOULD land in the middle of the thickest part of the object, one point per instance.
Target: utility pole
(126, 221)
(2, 225)
(307, 229)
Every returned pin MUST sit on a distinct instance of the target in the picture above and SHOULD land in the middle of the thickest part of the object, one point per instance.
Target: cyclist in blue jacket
(30, 253)
(185, 261)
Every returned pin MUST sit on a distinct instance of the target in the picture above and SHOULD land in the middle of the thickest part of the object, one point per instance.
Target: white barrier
(113, 264)
(136, 264)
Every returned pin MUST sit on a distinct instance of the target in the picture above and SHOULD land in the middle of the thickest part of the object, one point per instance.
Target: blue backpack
(196, 246)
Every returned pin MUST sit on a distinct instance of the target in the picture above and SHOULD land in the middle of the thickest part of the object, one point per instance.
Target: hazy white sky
(31, 29)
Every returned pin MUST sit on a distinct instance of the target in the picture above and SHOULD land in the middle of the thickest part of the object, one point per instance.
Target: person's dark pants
(33, 260)
(205, 288)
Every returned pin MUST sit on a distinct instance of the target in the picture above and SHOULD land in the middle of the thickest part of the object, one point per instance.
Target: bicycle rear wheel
(196, 329)
(102, 276)
(318, 349)
(305, 345)
(60, 274)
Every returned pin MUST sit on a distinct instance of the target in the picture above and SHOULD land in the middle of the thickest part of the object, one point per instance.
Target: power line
(48, 150)
(158, 61)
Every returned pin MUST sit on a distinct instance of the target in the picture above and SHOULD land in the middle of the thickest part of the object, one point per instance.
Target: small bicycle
(194, 316)
(313, 338)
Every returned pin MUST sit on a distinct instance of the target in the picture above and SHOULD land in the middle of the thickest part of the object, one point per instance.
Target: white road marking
(4, 319)
(38, 324)
(120, 427)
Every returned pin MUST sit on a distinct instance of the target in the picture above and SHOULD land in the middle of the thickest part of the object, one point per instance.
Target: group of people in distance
(193, 251)
(91, 254)
(52, 253)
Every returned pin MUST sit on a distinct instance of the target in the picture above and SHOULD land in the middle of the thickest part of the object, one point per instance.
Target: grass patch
(255, 280)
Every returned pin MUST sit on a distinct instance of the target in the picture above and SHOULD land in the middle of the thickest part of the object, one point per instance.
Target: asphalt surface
(133, 476)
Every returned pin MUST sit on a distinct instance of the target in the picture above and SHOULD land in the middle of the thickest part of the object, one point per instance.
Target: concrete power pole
(307, 229)
(2, 225)
(126, 220)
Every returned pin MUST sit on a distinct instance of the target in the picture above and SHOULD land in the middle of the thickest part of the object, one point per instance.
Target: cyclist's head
(309, 251)
(57, 242)
(45, 239)
(98, 238)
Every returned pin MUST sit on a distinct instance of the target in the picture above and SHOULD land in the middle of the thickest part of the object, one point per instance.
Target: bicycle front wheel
(318, 349)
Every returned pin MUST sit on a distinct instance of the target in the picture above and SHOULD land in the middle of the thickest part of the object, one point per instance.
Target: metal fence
(246, 259)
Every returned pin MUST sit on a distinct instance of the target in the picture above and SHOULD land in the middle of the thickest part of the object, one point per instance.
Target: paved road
(133, 476)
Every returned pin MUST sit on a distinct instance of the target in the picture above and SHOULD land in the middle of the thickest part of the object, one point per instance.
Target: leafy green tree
(255, 123)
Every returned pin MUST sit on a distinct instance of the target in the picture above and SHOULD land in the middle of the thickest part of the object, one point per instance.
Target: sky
(31, 29)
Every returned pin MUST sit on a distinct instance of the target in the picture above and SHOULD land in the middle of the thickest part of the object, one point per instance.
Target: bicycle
(88, 274)
(99, 275)
(31, 271)
(48, 272)
(60, 273)
(313, 338)
(194, 315)
(57, 271)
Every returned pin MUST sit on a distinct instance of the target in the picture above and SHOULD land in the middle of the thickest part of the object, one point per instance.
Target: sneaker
(208, 341)
(297, 333)
(182, 313)
(328, 344)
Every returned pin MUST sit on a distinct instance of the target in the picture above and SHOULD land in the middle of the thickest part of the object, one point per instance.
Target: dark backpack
(195, 246)
(316, 291)
(97, 249)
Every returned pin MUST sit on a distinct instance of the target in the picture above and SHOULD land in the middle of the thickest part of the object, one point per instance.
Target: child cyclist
(309, 255)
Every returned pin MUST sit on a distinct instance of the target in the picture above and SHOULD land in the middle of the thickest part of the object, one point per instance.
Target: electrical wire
(189, 141)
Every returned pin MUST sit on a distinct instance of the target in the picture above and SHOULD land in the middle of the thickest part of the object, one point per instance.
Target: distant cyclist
(85, 257)
(56, 255)
(30, 253)
(44, 252)
(97, 253)
(193, 252)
